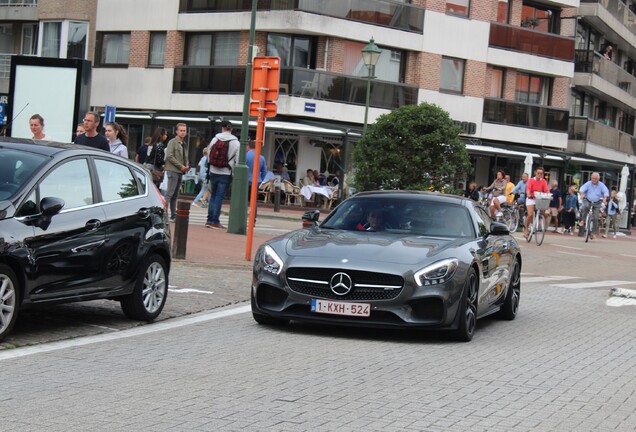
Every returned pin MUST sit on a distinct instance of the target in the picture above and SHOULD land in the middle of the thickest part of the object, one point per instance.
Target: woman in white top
(117, 139)
(36, 123)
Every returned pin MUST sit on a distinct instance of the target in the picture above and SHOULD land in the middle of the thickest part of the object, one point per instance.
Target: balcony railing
(589, 61)
(525, 115)
(531, 41)
(307, 83)
(585, 129)
(18, 3)
(378, 12)
(618, 10)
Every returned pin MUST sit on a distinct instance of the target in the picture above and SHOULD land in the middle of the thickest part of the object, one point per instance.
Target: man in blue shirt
(262, 171)
(591, 193)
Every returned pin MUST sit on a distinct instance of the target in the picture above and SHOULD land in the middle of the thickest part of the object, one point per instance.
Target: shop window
(212, 49)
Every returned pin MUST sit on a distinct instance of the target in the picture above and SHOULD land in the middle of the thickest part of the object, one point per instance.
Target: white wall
(128, 15)
(455, 37)
(520, 135)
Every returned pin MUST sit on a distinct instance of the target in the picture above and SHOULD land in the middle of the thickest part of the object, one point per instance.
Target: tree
(415, 147)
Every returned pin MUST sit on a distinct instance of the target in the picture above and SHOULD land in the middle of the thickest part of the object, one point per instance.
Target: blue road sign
(3, 106)
(109, 113)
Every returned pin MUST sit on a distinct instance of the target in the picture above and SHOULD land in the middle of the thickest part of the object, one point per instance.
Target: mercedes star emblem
(341, 284)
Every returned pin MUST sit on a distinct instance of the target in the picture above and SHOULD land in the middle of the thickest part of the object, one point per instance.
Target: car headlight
(271, 261)
(437, 273)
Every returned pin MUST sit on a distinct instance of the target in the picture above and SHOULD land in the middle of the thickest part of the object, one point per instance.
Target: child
(612, 213)
(569, 210)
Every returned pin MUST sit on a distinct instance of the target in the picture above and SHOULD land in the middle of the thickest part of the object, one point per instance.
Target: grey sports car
(391, 259)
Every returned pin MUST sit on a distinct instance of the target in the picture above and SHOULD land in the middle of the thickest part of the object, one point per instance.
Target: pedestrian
(510, 197)
(90, 137)
(176, 164)
(156, 159)
(556, 205)
(606, 52)
(261, 172)
(613, 211)
(143, 151)
(570, 209)
(36, 123)
(472, 192)
(117, 139)
(79, 129)
(224, 149)
(204, 193)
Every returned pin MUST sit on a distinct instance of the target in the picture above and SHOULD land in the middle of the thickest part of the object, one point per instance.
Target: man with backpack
(224, 150)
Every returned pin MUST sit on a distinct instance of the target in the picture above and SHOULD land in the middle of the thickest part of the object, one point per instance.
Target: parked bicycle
(591, 222)
(537, 228)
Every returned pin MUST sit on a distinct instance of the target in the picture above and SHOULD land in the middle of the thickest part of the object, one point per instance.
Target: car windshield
(16, 167)
(404, 215)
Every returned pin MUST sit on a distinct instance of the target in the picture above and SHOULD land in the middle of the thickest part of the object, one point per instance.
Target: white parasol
(528, 164)
(622, 188)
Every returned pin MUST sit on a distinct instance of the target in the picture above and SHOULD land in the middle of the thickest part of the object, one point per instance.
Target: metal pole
(238, 202)
(366, 105)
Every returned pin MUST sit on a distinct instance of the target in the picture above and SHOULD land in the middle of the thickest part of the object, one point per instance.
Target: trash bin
(189, 187)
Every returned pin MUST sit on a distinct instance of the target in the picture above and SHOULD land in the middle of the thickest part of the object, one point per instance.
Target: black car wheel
(9, 303)
(468, 309)
(266, 319)
(511, 304)
(151, 289)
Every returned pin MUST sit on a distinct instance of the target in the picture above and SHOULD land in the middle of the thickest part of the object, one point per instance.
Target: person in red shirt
(535, 184)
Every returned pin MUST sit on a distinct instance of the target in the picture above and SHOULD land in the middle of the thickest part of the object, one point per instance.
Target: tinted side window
(70, 181)
(115, 180)
(483, 221)
(142, 180)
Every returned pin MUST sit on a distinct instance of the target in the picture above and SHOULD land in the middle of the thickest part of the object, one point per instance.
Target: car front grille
(315, 282)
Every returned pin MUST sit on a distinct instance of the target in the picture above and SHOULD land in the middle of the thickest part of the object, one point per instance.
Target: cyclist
(592, 192)
(520, 189)
(498, 197)
(535, 184)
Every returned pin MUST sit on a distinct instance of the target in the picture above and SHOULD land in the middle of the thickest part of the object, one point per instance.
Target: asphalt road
(564, 364)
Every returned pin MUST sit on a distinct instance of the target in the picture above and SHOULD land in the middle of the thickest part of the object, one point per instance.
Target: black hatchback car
(79, 224)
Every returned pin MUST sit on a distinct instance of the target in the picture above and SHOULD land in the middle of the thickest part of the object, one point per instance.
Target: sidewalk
(220, 248)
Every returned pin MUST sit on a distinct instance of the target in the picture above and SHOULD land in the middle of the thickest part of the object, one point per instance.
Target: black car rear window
(16, 167)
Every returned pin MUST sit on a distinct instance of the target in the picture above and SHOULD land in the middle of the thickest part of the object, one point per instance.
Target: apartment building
(504, 69)
(45, 28)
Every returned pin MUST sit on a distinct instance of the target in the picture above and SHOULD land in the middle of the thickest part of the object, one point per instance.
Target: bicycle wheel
(588, 226)
(531, 230)
(514, 221)
(540, 229)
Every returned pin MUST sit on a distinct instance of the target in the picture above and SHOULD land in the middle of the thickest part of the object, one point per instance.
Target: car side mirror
(49, 207)
(498, 229)
(310, 218)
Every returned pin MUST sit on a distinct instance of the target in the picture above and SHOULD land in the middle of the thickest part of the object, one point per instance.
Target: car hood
(377, 247)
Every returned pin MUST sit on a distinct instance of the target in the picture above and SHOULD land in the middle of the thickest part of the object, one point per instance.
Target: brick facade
(475, 79)
(139, 45)
(175, 49)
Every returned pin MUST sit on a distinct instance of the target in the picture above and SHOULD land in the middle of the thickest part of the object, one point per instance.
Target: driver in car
(375, 221)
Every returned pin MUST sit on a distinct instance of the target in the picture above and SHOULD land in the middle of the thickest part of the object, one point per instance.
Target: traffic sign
(109, 113)
(265, 75)
(270, 109)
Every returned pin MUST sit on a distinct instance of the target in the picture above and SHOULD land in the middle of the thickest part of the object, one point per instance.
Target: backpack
(218, 154)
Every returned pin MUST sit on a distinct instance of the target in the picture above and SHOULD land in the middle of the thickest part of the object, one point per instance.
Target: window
(207, 49)
(293, 50)
(538, 17)
(452, 75)
(533, 89)
(458, 7)
(70, 181)
(503, 10)
(157, 48)
(390, 66)
(113, 49)
(63, 39)
(496, 83)
(29, 39)
(115, 181)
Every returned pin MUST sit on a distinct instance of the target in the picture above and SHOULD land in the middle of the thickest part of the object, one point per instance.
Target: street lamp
(370, 56)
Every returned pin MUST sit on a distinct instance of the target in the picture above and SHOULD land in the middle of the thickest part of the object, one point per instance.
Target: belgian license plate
(340, 308)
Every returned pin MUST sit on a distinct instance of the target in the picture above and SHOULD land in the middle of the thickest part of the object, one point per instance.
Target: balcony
(298, 82)
(591, 62)
(18, 10)
(377, 12)
(531, 42)
(525, 115)
(617, 9)
(585, 129)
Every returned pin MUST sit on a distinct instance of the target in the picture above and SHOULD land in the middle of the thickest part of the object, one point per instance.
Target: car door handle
(88, 246)
(93, 224)
(144, 213)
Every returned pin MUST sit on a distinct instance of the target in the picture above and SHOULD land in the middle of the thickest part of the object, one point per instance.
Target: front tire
(146, 302)
(540, 234)
(9, 300)
(468, 309)
(510, 307)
